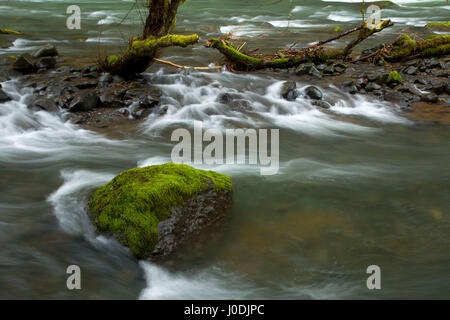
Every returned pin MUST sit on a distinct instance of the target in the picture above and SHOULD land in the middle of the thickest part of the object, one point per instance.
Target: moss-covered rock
(439, 26)
(394, 77)
(155, 209)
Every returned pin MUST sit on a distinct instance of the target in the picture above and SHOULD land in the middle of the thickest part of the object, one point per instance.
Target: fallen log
(140, 54)
(244, 62)
(405, 48)
(240, 61)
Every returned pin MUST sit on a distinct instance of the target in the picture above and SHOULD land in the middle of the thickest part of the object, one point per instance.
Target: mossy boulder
(390, 79)
(153, 210)
(439, 26)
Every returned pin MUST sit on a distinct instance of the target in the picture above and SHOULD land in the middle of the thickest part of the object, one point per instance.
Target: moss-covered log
(8, 31)
(406, 48)
(242, 61)
(140, 53)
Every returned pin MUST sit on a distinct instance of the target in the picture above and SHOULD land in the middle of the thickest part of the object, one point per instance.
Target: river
(360, 185)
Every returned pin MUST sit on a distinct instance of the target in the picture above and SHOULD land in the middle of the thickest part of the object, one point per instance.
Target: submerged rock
(154, 210)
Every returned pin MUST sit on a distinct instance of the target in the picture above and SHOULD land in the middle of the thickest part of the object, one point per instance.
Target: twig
(186, 67)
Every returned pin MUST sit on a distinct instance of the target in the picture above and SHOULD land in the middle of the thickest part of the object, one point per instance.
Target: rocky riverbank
(420, 88)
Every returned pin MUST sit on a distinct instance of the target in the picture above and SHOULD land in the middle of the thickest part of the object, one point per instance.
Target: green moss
(133, 203)
(140, 53)
(112, 60)
(394, 76)
(8, 31)
(234, 55)
(404, 47)
(439, 26)
(337, 29)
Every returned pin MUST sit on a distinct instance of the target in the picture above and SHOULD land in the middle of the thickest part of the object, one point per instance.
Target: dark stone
(430, 98)
(187, 221)
(224, 98)
(411, 70)
(24, 63)
(314, 93)
(422, 81)
(4, 97)
(407, 87)
(340, 67)
(371, 86)
(308, 69)
(438, 87)
(321, 104)
(347, 83)
(45, 63)
(46, 51)
(447, 88)
(147, 102)
(86, 84)
(289, 90)
(361, 83)
(112, 98)
(328, 70)
(372, 77)
(84, 101)
(46, 104)
(434, 63)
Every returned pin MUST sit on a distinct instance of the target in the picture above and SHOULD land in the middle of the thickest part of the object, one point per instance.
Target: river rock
(321, 104)
(84, 101)
(314, 93)
(308, 69)
(45, 63)
(24, 63)
(46, 104)
(430, 98)
(289, 90)
(340, 67)
(154, 210)
(411, 70)
(46, 51)
(112, 98)
(4, 97)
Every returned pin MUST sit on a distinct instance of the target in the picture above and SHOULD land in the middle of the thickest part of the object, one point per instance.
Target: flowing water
(358, 185)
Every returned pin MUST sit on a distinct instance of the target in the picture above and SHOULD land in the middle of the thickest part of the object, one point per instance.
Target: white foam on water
(191, 99)
(66, 200)
(207, 284)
